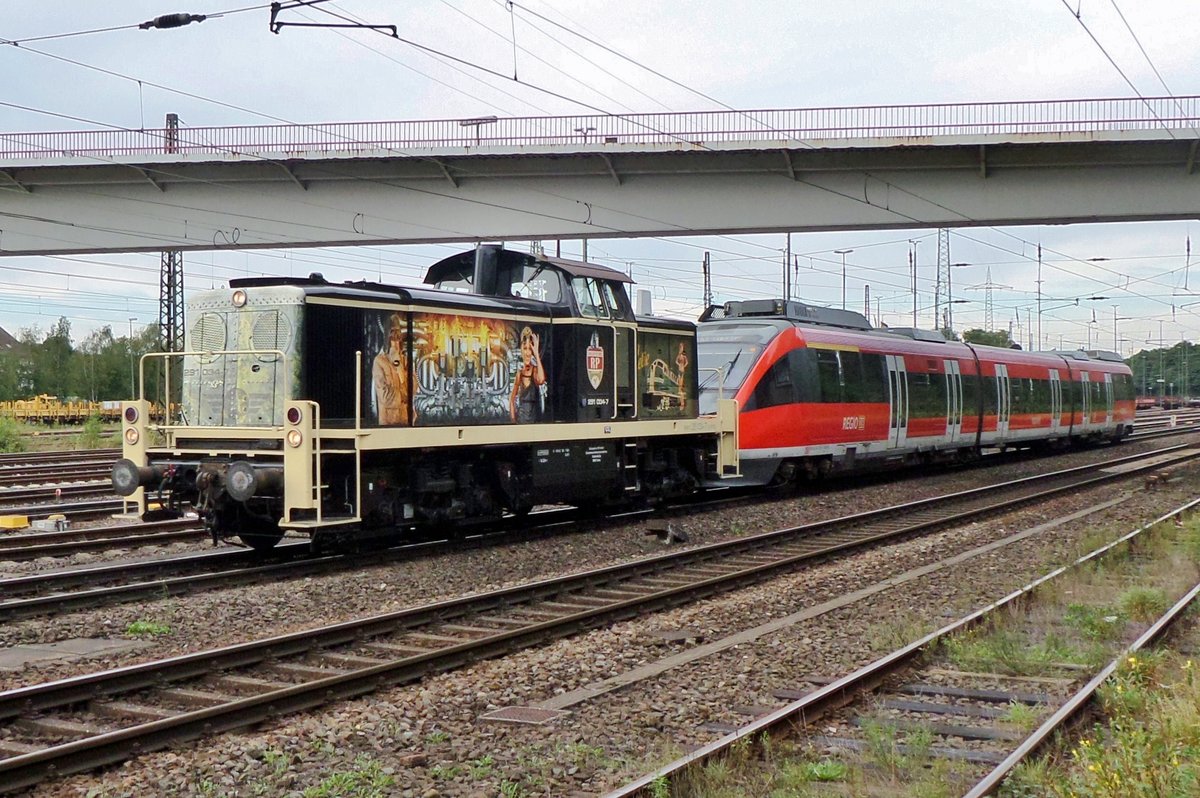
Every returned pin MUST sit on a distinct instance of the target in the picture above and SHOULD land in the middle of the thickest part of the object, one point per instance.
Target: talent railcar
(345, 410)
(820, 390)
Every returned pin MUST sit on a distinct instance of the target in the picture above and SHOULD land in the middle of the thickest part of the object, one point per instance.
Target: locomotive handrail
(720, 372)
(141, 386)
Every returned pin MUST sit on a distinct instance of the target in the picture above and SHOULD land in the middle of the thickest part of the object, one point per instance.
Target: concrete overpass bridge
(371, 183)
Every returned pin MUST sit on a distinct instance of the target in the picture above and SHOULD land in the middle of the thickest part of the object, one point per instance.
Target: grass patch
(1007, 651)
(1148, 746)
(148, 629)
(1022, 716)
(93, 435)
(897, 631)
(365, 780)
(10, 436)
(1096, 623)
(1144, 604)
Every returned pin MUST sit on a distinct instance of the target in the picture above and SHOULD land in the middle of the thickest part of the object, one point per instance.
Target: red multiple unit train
(820, 391)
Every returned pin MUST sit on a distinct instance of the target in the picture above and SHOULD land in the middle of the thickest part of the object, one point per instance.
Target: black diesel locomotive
(361, 409)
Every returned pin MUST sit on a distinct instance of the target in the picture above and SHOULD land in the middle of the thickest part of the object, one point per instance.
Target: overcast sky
(231, 70)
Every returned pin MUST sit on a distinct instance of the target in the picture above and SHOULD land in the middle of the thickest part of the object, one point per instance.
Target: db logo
(854, 422)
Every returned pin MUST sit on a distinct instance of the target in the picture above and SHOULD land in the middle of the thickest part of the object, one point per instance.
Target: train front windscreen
(726, 353)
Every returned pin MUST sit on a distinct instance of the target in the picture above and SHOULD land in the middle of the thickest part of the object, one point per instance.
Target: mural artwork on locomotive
(666, 374)
(463, 369)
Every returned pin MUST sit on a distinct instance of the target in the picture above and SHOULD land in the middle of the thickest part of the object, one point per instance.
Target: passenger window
(829, 374)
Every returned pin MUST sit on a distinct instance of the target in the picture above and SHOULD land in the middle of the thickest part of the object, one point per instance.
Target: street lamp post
(843, 253)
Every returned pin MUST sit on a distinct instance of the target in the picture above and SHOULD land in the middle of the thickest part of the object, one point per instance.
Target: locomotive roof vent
(930, 336)
(790, 310)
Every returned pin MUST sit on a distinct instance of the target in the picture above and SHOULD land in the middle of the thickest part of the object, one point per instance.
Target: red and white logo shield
(595, 361)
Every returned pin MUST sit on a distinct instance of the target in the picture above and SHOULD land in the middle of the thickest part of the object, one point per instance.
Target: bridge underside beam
(171, 202)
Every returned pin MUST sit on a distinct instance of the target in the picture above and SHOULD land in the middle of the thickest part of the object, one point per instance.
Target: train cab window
(588, 297)
(617, 301)
(775, 388)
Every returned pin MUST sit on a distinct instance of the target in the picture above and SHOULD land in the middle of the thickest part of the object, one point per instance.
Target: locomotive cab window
(530, 281)
(588, 297)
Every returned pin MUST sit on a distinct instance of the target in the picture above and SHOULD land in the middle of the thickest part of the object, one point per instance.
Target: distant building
(7, 342)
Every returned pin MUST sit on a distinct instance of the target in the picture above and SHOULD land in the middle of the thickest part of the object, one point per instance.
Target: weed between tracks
(1149, 745)
(1147, 740)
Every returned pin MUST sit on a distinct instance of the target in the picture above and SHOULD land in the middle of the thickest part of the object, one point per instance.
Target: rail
(696, 128)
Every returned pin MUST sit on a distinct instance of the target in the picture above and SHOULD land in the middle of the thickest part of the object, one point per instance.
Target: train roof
(786, 310)
(488, 262)
(457, 264)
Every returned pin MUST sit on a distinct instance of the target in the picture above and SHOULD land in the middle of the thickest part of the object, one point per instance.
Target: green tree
(996, 338)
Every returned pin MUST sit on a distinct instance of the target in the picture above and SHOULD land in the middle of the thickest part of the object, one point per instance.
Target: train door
(898, 397)
(1108, 400)
(1085, 402)
(608, 340)
(1003, 401)
(1055, 401)
(954, 401)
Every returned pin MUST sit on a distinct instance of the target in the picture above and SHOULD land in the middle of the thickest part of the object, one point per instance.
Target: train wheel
(264, 538)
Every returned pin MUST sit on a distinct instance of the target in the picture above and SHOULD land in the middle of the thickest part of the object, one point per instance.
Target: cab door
(606, 340)
(898, 400)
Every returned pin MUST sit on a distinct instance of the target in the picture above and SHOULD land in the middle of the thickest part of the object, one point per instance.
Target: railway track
(55, 473)
(78, 510)
(958, 706)
(55, 592)
(71, 589)
(32, 458)
(108, 716)
(29, 546)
